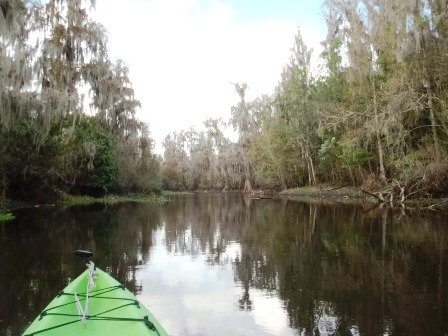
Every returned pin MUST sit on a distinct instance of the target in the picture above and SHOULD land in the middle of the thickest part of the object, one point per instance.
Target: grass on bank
(6, 216)
(71, 200)
(174, 193)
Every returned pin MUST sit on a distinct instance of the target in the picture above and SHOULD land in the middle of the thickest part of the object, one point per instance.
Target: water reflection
(220, 264)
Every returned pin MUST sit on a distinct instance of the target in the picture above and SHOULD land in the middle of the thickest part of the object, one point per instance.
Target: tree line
(67, 112)
(373, 114)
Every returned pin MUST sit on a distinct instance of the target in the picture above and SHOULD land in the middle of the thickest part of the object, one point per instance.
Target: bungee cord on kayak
(96, 317)
(90, 285)
(99, 303)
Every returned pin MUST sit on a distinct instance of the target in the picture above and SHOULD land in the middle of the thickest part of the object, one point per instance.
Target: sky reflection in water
(194, 298)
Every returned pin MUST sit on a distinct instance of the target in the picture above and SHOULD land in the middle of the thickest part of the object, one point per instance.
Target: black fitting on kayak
(60, 293)
(149, 324)
(42, 315)
(83, 254)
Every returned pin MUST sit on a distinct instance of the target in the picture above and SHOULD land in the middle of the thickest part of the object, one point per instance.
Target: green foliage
(168, 193)
(115, 199)
(329, 150)
(356, 157)
(96, 154)
(272, 155)
(332, 57)
(47, 145)
(6, 216)
(27, 160)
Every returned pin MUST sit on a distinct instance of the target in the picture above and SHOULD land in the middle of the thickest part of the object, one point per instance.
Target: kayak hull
(112, 310)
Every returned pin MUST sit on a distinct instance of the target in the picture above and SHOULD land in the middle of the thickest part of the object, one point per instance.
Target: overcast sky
(183, 55)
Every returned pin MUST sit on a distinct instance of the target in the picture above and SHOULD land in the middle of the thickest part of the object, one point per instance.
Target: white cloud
(183, 56)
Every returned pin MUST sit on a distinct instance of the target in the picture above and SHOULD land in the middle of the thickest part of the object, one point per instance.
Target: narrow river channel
(220, 264)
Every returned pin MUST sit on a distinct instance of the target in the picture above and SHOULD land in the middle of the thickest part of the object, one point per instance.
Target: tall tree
(72, 43)
(51, 55)
(17, 97)
(295, 107)
(243, 122)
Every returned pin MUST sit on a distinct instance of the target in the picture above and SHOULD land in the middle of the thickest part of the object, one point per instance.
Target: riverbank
(113, 199)
(344, 194)
(67, 200)
(349, 193)
(326, 192)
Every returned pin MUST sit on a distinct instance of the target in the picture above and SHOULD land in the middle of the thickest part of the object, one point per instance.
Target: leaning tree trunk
(311, 171)
(309, 162)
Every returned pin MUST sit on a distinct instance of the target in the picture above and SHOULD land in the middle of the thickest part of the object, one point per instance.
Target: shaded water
(217, 264)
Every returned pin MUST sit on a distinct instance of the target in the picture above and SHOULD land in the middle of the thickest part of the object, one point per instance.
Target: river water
(220, 264)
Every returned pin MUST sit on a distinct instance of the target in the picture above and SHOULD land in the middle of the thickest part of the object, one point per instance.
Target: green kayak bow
(95, 304)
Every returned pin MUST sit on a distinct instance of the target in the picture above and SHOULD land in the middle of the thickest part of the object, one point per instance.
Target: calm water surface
(219, 264)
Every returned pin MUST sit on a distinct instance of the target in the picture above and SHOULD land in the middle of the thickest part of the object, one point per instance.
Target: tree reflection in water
(337, 269)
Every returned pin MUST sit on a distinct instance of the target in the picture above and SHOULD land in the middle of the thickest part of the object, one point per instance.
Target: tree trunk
(381, 158)
(433, 123)
(382, 172)
(311, 172)
(276, 163)
(311, 169)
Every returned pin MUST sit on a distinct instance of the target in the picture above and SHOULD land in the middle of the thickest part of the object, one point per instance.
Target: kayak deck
(112, 310)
